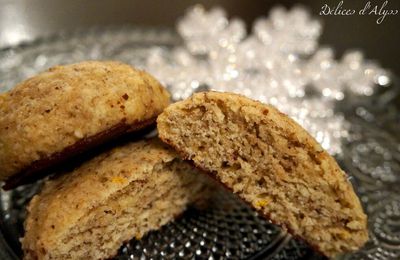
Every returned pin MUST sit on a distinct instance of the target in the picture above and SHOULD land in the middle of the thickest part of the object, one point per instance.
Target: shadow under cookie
(79, 152)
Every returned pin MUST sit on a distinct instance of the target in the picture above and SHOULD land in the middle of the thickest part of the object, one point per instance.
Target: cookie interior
(285, 179)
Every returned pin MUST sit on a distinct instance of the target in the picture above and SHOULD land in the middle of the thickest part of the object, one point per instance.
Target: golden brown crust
(288, 156)
(57, 108)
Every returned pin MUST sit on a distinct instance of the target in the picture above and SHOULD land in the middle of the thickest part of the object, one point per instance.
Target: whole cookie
(272, 163)
(68, 109)
(119, 195)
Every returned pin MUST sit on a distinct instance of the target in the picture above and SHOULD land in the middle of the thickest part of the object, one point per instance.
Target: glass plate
(227, 228)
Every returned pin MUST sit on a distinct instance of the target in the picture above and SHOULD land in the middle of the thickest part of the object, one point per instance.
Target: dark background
(22, 20)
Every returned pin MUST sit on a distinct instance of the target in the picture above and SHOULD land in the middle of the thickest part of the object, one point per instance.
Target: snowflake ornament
(277, 63)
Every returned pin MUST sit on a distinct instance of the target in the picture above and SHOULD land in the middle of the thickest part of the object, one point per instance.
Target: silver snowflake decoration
(275, 64)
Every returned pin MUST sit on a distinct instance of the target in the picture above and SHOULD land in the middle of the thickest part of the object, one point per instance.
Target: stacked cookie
(264, 157)
(57, 117)
(120, 194)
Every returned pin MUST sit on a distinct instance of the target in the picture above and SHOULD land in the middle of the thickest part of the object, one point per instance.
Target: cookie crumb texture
(117, 196)
(55, 109)
(270, 162)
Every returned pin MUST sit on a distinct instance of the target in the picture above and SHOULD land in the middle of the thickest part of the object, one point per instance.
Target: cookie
(68, 109)
(119, 195)
(270, 162)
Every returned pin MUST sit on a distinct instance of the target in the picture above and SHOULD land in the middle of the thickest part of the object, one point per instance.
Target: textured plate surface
(228, 228)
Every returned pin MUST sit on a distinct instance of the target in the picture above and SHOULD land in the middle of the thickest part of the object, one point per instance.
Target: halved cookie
(68, 109)
(119, 195)
(270, 162)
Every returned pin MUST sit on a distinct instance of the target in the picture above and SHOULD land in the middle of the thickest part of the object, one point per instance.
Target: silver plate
(228, 228)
